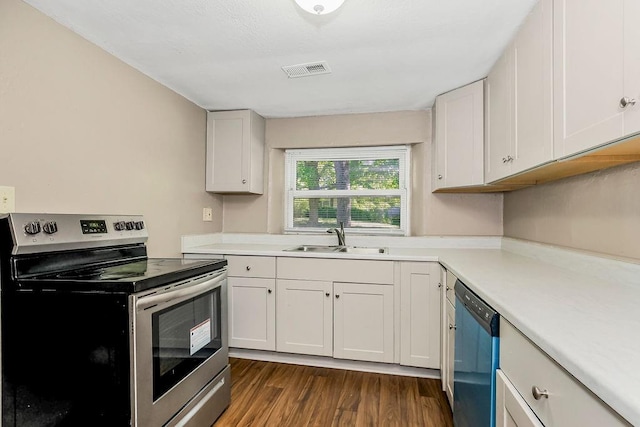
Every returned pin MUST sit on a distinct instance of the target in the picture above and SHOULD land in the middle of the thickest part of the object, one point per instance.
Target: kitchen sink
(342, 249)
(362, 250)
(315, 248)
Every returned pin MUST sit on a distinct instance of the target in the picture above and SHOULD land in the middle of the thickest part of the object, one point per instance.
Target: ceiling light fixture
(319, 7)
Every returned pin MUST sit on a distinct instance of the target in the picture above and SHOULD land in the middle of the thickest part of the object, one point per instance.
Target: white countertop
(582, 310)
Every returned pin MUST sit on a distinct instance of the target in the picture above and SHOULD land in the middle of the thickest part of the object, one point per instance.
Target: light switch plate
(207, 214)
(7, 199)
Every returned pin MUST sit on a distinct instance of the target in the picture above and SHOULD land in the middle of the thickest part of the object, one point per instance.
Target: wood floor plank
(274, 394)
(368, 413)
(344, 418)
(306, 401)
(350, 395)
(389, 414)
(410, 406)
(258, 413)
(246, 390)
(322, 414)
(434, 414)
(296, 378)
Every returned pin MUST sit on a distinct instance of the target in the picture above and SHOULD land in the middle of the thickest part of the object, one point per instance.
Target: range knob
(32, 227)
(119, 226)
(50, 227)
(139, 225)
(130, 225)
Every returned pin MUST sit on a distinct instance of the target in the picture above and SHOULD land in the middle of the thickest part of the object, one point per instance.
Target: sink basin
(332, 249)
(362, 250)
(315, 248)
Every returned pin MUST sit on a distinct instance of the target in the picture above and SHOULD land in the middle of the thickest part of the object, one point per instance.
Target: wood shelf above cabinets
(615, 154)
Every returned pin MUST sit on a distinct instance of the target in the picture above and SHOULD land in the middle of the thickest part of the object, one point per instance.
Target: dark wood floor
(275, 394)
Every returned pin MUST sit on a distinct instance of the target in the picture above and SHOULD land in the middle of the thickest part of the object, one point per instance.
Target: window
(365, 188)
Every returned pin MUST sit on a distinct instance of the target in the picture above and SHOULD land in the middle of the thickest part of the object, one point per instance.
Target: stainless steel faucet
(340, 233)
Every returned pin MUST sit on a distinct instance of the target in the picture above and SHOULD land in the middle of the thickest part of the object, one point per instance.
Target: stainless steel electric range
(95, 333)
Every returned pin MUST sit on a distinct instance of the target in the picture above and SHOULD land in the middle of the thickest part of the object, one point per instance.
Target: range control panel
(35, 233)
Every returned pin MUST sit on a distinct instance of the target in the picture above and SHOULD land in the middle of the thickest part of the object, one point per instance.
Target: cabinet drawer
(251, 266)
(511, 409)
(569, 404)
(336, 270)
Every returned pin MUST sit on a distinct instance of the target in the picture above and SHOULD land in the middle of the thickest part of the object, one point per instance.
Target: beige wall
(597, 212)
(430, 214)
(80, 131)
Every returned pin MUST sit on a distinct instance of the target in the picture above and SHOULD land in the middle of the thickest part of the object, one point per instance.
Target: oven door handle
(189, 290)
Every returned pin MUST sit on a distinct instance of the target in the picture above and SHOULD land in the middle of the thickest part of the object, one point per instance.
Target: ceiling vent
(305, 70)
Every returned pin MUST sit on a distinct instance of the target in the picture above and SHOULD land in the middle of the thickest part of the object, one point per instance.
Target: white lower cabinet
(363, 322)
(304, 317)
(450, 333)
(252, 311)
(556, 398)
(420, 315)
(343, 320)
(374, 311)
(252, 302)
(511, 409)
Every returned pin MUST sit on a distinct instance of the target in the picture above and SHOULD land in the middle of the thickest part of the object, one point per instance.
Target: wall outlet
(207, 214)
(7, 199)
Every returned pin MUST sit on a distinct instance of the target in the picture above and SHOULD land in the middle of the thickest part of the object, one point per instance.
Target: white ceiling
(386, 55)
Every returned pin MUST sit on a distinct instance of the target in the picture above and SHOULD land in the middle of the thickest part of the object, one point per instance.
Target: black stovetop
(129, 277)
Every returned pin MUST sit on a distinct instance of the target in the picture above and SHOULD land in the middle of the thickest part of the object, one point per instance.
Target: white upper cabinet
(498, 136)
(459, 138)
(531, 50)
(589, 77)
(632, 65)
(519, 132)
(235, 152)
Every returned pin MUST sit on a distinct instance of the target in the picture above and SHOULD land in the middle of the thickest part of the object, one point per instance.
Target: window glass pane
(381, 174)
(381, 212)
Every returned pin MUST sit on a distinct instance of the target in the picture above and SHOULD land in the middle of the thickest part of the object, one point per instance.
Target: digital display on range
(93, 226)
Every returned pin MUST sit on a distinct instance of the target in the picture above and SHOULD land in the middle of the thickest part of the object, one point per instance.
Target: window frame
(400, 152)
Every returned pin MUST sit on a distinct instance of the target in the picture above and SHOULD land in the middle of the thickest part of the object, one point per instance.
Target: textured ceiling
(386, 55)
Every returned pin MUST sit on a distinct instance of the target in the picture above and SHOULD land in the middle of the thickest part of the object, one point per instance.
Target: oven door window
(185, 335)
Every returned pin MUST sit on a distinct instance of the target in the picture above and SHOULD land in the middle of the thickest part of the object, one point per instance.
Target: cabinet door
(443, 327)
(450, 345)
(498, 130)
(588, 76)
(363, 322)
(459, 144)
(235, 152)
(632, 65)
(304, 317)
(420, 301)
(228, 150)
(252, 309)
(532, 56)
(511, 409)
